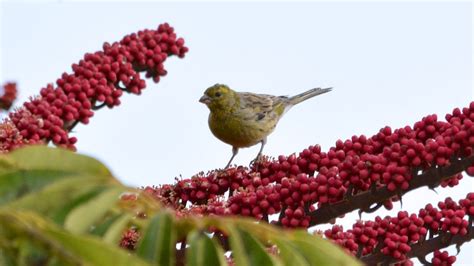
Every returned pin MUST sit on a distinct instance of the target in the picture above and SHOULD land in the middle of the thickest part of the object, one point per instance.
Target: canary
(244, 119)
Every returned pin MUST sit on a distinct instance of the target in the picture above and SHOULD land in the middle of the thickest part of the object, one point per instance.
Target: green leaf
(82, 218)
(158, 243)
(314, 249)
(60, 214)
(29, 254)
(6, 259)
(15, 183)
(30, 169)
(246, 250)
(101, 228)
(319, 251)
(203, 251)
(58, 198)
(67, 247)
(45, 158)
(116, 229)
(290, 255)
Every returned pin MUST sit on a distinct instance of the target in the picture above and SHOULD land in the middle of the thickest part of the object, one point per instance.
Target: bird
(244, 119)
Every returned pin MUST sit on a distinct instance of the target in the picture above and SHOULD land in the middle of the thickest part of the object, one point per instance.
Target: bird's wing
(259, 106)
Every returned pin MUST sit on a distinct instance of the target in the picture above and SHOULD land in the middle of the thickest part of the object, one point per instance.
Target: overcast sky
(389, 64)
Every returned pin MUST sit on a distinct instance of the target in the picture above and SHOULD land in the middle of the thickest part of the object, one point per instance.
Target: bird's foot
(255, 162)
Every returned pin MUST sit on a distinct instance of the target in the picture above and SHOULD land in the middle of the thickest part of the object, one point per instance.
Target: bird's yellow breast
(239, 132)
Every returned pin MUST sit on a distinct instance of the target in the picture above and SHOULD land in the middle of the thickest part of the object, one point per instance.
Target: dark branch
(73, 125)
(431, 178)
(97, 107)
(117, 86)
(180, 257)
(282, 214)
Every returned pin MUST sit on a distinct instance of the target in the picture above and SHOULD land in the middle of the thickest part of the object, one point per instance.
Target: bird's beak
(205, 99)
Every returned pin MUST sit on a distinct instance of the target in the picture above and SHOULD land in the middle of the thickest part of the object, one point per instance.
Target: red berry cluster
(345, 239)
(453, 217)
(431, 217)
(395, 235)
(296, 217)
(400, 232)
(442, 258)
(258, 203)
(99, 79)
(199, 190)
(130, 239)
(470, 171)
(10, 137)
(165, 194)
(396, 246)
(366, 234)
(467, 204)
(9, 95)
(450, 217)
(214, 206)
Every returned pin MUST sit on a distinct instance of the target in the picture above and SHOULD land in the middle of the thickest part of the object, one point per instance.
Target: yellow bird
(243, 119)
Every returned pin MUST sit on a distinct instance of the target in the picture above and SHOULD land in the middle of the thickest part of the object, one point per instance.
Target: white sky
(389, 64)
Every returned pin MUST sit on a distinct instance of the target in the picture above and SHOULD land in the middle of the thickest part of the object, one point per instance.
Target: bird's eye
(218, 94)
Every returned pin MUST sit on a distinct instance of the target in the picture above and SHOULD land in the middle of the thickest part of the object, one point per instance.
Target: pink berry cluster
(450, 215)
(442, 258)
(9, 95)
(98, 80)
(10, 137)
(130, 239)
(258, 203)
(396, 234)
(345, 239)
(199, 189)
(393, 236)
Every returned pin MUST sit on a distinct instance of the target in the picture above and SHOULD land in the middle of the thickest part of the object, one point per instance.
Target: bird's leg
(235, 150)
(263, 142)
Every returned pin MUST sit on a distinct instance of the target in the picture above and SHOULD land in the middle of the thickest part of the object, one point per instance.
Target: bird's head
(219, 97)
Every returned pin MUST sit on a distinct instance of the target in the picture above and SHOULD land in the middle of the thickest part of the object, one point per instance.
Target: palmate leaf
(246, 250)
(158, 244)
(65, 209)
(56, 200)
(27, 170)
(115, 230)
(203, 250)
(81, 218)
(326, 254)
(51, 181)
(68, 248)
(296, 247)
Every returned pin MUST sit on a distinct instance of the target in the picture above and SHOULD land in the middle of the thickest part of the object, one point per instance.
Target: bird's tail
(307, 94)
